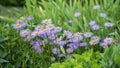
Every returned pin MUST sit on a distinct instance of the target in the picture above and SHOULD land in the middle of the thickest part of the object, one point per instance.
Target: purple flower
(50, 26)
(68, 56)
(34, 34)
(17, 26)
(96, 7)
(24, 33)
(52, 37)
(38, 27)
(46, 21)
(103, 45)
(70, 21)
(83, 44)
(95, 38)
(69, 50)
(23, 25)
(108, 24)
(52, 58)
(108, 40)
(58, 29)
(103, 15)
(19, 21)
(93, 42)
(38, 48)
(91, 23)
(73, 45)
(95, 27)
(56, 51)
(77, 14)
(88, 34)
(61, 55)
(30, 18)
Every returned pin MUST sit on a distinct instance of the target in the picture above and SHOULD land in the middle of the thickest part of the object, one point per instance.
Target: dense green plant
(88, 59)
(18, 54)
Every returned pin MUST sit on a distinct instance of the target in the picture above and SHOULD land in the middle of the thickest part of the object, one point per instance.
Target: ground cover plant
(62, 30)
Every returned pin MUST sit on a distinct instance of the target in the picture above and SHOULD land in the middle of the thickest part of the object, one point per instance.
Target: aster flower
(77, 14)
(35, 33)
(103, 15)
(88, 34)
(61, 55)
(23, 25)
(95, 27)
(68, 56)
(108, 24)
(58, 29)
(38, 48)
(56, 51)
(69, 50)
(38, 42)
(91, 23)
(52, 37)
(24, 33)
(19, 21)
(83, 44)
(78, 34)
(30, 18)
(103, 44)
(108, 40)
(73, 45)
(38, 27)
(96, 7)
(93, 42)
(46, 21)
(96, 38)
(70, 21)
(52, 58)
(17, 26)
(50, 26)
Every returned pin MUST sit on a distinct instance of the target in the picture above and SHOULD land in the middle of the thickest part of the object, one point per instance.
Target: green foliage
(88, 59)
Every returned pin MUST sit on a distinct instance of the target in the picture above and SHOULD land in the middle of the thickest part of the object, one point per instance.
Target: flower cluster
(48, 35)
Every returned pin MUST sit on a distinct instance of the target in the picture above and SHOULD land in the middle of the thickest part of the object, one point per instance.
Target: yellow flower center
(44, 30)
(46, 20)
(36, 32)
(17, 24)
(24, 32)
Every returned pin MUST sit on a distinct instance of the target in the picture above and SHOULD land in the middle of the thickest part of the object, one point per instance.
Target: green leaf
(3, 39)
(3, 61)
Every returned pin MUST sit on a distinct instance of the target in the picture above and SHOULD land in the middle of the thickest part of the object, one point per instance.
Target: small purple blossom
(103, 44)
(77, 14)
(103, 15)
(24, 33)
(52, 58)
(88, 34)
(96, 7)
(95, 27)
(108, 40)
(61, 55)
(17, 26)
(46, 21)
(91, 23)
(108, 24)
(56, 51)
(83, 44)
(19, 21)
(93, 42)
(96, 38)
(73, 45)
(58, 29)
(30, 18)
(69, 50)
(70, 21)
